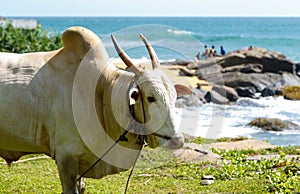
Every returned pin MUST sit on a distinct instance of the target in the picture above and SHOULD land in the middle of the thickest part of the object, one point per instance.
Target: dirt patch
(201, 153)
(242, 145)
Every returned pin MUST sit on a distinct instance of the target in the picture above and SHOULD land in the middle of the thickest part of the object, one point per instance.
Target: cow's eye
(135, 95)
(151, 99)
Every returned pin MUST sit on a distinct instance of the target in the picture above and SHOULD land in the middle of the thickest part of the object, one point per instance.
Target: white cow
(45, 107)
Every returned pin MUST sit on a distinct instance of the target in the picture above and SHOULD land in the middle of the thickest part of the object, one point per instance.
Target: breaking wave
(179, 32)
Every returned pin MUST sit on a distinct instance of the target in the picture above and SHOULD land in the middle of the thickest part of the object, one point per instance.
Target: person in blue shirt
(223, 52)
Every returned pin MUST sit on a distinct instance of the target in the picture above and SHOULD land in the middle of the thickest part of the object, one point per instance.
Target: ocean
(182, 38)
(278, 34)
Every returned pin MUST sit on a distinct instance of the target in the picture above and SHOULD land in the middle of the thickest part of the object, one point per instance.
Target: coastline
(198, 118)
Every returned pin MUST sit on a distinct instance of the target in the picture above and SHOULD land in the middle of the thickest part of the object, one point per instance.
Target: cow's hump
(79, 39)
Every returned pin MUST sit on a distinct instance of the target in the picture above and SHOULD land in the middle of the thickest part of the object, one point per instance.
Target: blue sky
(150, 8)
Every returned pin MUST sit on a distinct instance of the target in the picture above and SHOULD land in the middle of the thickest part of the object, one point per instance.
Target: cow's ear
(182, 90)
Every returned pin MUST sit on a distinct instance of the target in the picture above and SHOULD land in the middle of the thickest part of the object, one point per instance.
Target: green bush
(19, 40)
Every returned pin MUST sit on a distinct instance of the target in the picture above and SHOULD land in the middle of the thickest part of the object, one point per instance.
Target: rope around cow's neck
(131, 171)
(121, 138)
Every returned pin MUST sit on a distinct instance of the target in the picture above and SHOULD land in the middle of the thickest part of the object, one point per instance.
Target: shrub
(19, 40)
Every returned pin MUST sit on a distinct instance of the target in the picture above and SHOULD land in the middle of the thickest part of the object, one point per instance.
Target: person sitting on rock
(222, 51)
(212, 51)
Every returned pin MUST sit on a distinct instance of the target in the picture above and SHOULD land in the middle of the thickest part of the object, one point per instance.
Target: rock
(200, 94)
(181, 63)
(180, 103)
(244, 68)
(227, 92)
(267, 92)
(258, 81)
(272, 62)
(275, 65)
(202, 153)
(246, 92)
(273, 124)
(185, 72)
(211, 73)
(195, 99)
(291, 92)
(298, 69)
(208, 97)
(233, 59)
(290, 79)
(215, 97)
(207, 180)
(196, 152)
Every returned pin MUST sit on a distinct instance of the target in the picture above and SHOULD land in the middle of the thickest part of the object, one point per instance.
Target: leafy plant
(18, 40)
(280, 175)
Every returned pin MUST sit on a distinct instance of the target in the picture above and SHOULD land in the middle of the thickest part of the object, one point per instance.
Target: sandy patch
(172, 72)
(200, 153)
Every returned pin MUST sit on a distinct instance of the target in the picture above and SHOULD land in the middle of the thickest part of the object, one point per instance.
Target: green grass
(157, 171)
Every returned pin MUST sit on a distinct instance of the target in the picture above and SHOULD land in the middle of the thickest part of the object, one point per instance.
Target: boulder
(185, 72)
(290, 79)
(244, 68)
(267, 92)
(246, 92)
(291, 92)
(215, 97)
(275, 65)
(256, 80)
(272, 62)
(211, 73)
(181, 63)
(273, 124)
(195, 152)
(233, 59)
(227, 92)
(195, 99)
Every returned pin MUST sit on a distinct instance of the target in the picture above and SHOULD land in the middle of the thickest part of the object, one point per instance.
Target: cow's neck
(114, 94)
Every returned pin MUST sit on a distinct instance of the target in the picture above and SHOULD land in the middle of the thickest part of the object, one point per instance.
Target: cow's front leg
(67, 169)
(81, 185)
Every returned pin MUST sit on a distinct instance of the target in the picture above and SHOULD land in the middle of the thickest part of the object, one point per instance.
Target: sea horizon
(233, 33)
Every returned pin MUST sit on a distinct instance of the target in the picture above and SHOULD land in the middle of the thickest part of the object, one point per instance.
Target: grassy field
(157, 171)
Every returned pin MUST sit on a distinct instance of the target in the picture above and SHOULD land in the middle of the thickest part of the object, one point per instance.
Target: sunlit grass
(157, 171)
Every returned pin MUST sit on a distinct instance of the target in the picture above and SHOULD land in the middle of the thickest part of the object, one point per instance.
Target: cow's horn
(153, 56)
(125, 58)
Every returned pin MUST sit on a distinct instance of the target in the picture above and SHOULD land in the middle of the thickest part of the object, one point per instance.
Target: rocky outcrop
(273, 124)
(253, 73)
(272, 62)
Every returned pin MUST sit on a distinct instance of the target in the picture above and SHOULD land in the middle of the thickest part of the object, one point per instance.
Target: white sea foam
(216, 121)
(179, 32)
(142, 60)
